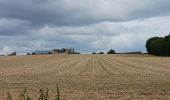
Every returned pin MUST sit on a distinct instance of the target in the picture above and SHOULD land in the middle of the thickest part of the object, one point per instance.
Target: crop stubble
(88, 77)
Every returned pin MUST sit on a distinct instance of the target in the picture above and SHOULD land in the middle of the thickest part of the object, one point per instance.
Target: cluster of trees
(159, 46)
(109, 52)
(98, 53)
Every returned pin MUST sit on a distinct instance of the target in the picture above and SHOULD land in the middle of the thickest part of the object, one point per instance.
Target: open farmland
(87, 77)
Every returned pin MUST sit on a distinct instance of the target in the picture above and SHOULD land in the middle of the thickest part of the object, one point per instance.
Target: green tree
(159, 46)
(156, 47)
(166, 46)
(148, 44)
(111, 52)
(93, 53)
(101, 53)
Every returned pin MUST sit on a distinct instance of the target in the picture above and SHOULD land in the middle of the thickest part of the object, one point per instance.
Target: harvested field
(87, 77)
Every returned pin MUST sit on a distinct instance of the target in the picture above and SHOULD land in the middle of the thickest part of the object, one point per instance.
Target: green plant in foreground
(46, 97)
(57, 96)
(9, 96)
(43, 96)
(23, 95)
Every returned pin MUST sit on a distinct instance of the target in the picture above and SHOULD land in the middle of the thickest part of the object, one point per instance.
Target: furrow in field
(74, 68)
(131, 68)
(72, 76)
(122, 68)
(93, 77)
(88, 77)
(31, 68)
(87, 70)
(56, 71)
(22, 60)
(154, 68)
(161, 60)
(104, 67)
(154, 64)
(44, 71)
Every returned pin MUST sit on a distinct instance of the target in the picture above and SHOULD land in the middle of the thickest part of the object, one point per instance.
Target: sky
(86, 25)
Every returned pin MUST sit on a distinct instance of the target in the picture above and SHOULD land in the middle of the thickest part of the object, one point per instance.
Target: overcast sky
(86, 25)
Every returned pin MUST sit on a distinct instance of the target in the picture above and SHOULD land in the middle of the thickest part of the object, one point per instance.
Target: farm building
(41, 52)
(137, 52)
(56, 51)
(62, 50)
(13, 54)
(65, 50)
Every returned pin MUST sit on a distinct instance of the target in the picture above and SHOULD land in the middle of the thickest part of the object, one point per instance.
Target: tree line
(111, 51)
(159, 46)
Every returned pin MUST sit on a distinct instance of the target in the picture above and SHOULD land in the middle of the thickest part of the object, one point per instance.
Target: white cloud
(6, 50)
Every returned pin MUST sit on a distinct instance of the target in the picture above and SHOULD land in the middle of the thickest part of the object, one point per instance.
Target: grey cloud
(132, 34)
(79, 12)
(14, 27)
(87, 25)
(157, 8)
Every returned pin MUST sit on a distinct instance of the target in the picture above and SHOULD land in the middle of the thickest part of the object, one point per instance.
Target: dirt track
(88, 77)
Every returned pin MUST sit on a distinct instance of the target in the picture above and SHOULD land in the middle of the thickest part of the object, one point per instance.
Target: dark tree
(93, 53)
(28, 54)
(148, 44)
(159, 46)
(71, 50)
(111, 52)
(166, 46)
(33, 53)
(50, 52)
(156, 46)
(101, 53)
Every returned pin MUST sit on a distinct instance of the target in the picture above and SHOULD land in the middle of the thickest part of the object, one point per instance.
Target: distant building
(12, 54)
(41, 52)
(62, 50)
(137, 52)
(65, 50)
(56, 51)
